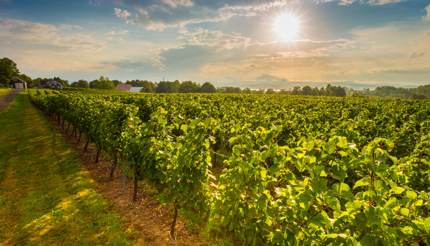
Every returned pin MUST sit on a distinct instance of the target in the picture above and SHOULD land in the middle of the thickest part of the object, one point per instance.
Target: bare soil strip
(150, 219)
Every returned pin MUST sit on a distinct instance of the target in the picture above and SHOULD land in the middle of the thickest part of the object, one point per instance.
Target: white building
(135, 89)
(18, 84)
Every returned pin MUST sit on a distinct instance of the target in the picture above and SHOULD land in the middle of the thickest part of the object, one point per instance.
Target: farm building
(51, 84)
(128, 88)
(18, 83)
(123, 87)
(135, 89)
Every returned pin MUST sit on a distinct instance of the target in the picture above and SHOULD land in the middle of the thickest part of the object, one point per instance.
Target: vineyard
(267, 169)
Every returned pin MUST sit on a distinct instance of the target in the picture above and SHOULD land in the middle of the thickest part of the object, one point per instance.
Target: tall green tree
(189, 87)
(102, 83)
(168, 87)
(81, 84)
(26, 79)
(8, 70)
(208, 87)
(148, 86)
(229, 89)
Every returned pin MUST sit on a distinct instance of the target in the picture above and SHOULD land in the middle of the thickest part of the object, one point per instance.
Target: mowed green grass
(46, 196)
(4, 91)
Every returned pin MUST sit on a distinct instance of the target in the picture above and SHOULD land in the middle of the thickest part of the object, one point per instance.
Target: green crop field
(269, 169)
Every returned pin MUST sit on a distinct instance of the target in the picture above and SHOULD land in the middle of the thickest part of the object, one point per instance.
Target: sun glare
(286, 27)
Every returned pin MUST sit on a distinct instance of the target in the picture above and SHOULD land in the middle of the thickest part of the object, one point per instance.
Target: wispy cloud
(427, 16)
(370, 55)
(46, 35)
(214, 39)
(122, 14)
(178, 3)
(179, 13)
(370, 2)
(95, 2)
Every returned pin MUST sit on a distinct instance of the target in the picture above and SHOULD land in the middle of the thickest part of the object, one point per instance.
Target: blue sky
(360, 43)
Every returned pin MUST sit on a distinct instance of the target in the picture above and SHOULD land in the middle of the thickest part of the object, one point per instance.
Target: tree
(330, 90)
(168, 87)
(336, 91)
(102, 83)
(270, 91)
(26, 79)
(116, 82)
(229, 89)
(36, 82)
(8, 70)
(208, 87)
(307, 90)
(148, 86)
(81, 84)
(61, 81)
(247, 91)
(423, 90)
(296, 90)
(189, 87)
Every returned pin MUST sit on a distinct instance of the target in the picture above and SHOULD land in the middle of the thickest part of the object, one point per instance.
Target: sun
(286, 27)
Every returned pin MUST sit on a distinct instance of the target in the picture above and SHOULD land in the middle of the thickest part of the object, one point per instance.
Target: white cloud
(372, 54)
(214, 55)
(162, 16)
(179, 13)
(178, 3)
(95, 3)
(116, 34)
(45, 47)
(47, 35)
(427, 16)
(122, 14)
(214, 39)
(383, 2)
(370, 2)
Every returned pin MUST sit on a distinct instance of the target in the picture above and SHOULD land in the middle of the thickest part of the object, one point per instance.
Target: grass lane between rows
(46, 196)
(4, 92)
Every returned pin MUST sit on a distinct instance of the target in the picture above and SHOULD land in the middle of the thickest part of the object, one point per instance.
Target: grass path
(6, 95)
(4, 91)
(46, 196)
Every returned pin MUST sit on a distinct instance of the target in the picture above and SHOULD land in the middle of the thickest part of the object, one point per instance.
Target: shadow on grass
(46, 197)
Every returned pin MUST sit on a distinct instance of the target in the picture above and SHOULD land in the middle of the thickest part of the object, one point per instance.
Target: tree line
(329, 90)
(420, 92)
(9, 72)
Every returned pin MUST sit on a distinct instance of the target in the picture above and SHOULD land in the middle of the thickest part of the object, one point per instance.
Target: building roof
(17, 80)
(123, 87)
(135, 89)
(50, 84)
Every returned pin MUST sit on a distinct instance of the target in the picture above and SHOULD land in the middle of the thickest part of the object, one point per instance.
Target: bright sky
(248, 43)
